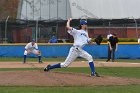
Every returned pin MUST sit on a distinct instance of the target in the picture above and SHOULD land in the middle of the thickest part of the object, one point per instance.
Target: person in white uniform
(108, 50)
(108, 36)
(139, 39)
(81, 38)
(32, 47)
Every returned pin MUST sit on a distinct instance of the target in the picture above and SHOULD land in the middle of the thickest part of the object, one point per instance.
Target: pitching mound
(40, 78)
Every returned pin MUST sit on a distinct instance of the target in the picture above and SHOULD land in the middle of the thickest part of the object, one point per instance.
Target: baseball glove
(39, 52)
(98, 39)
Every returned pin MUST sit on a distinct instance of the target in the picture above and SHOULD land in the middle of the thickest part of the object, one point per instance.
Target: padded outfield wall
(131, 51)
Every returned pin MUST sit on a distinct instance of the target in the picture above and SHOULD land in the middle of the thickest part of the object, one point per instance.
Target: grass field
(131, 72)
(60, 59)
(96, 89)
(117, 71)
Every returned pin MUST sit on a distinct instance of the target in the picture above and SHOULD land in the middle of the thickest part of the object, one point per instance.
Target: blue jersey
(53, 41)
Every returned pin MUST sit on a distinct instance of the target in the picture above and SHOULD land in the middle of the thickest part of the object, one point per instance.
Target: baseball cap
(83, 22)
(33, 40)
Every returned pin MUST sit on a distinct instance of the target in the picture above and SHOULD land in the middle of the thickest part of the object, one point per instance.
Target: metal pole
(36, 30)
(6, 29)
(49, 9)
(57, 9)
(33, 9)
(109, 27)
(136, 26)
(57, 29)
(26, 24)
(26, 10)
(66, 9)
(0, 33)
(40, 9)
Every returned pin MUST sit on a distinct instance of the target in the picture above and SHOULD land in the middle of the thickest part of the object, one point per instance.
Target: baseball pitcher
(81, 38)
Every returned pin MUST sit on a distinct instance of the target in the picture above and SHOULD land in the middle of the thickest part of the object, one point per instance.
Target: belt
(76, 46)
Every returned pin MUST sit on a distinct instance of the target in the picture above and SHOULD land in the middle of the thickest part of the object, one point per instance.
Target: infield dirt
(41, 78)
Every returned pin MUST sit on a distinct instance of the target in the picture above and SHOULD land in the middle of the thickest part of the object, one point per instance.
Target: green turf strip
(122, 72)
(95, 89)
(59, 59)
(133, 72)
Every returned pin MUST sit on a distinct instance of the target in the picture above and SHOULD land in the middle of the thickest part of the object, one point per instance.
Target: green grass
(95, 89)
(18, 59)
(122, 60)
(18, 69)
(59, 59)
(131, 72)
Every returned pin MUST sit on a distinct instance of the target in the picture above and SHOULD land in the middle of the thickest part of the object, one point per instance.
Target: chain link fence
(16, 30)
(22, 31)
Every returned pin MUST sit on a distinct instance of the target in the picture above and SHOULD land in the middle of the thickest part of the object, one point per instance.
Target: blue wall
(124, 51)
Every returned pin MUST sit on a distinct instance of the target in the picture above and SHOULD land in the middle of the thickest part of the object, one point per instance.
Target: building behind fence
(18, 24)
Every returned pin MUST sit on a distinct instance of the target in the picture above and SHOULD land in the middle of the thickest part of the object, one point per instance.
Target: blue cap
(33, 40)
(83, 22)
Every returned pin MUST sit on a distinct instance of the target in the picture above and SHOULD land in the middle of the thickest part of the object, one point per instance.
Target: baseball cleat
(112, 60)
(23, 62)
(47, 68)
(107, 60)
(40, 61)
(95, 74)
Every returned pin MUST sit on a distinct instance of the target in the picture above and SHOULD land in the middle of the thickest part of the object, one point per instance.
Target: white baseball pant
(34, 51)
(74, 53)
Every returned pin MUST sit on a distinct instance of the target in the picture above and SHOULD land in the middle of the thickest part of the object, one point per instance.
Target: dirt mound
(40, 78)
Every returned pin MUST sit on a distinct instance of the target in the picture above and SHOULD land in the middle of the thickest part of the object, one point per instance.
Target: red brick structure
(23, 32)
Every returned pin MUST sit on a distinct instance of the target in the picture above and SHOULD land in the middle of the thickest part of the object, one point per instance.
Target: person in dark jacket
(112, 47)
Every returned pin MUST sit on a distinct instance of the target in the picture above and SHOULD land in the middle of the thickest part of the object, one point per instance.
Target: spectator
(53, 40)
